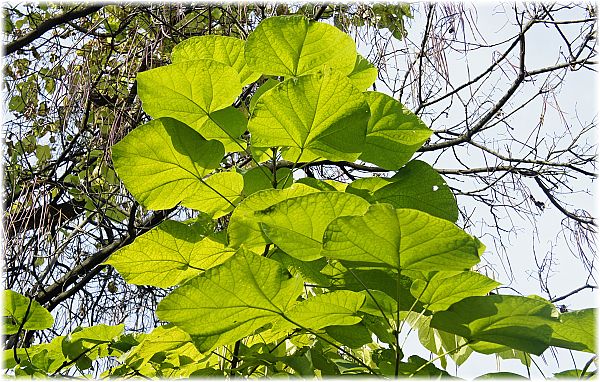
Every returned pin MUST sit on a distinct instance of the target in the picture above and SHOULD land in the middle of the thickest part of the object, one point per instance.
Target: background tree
(71, 94)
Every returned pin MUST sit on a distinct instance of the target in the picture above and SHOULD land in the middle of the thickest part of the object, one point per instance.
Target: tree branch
(45, 26)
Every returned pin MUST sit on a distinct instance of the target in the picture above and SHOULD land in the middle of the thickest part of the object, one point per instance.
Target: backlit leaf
(295, 46)
(320, 115)
(301, 237)
(163, 161)
(240, 295)
(521, 323)
(217, 195)
(224, 49)
(334, 308)
(186, 91)
(364, 73)
(576, 330)
(402, 239)
(393, 133)
(15, 314)
(167, 255)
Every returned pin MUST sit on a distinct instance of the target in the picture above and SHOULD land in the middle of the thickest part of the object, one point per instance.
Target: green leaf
(217, 195)
(186, 91)
(163, 161)
(334, 308)
(15, 314)
(317, 184)
(268, 85)
(239, 296)
(244, 228)
(445, 288)
(320, 115)
(295, 46)
(261, 178)
(518, 322)
(576, 330)
(162, 338)
(301, 237)
(393, 133)
(575, 373)
(364, 73)
(227, 50)
(167, 255)
(307, 270)
(417, 185)
(353, 336)
(401, 239)
(500, 375)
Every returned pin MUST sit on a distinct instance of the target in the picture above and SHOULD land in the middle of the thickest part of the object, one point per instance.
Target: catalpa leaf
(445, 288)
(162, 338)
(364, 73)
(319, 115)
(301, 237)
(295, 46)
(15, 314)
(334, 308)
(164, 161)
(241, 295)
(224, 49)
(520, 323)
(417, 185)
(393, 133)
(401, 239)
(167, 255)
(217, 195)
(576, 330)
(186, 91)
(244, 229)
(261, 178)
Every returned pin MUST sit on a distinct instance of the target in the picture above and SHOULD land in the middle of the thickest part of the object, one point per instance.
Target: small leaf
(364, 73)
(163, 161)
(576, 330)
(393, 134)
(445, 288)
(15, 314)
(295, 46)
(417, 185)
(167, 255)
(224, 49)
(334, 308)
(518, 322)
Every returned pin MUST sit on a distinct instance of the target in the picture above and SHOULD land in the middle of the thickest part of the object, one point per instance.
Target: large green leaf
(187, 91)
(15, 314)
(320, 115)
(84, 339)
(240, 295)
(417, 185)
(521, 323)
(401, 239)
(261, 178)
(244, 229)
(295, 46)
(393, 133)
(228, 50)
(445, 288)
(167, 255)
(364, 73)
(218, 194)
(302, 235)
(576, 330)
(161, 339)
(163, 161)
(334, 308)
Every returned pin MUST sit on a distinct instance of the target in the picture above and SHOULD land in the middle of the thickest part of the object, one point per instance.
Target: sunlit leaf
(334, 308)
(217, 195)
(163, 161)
(295, 46)
(576, 330)
(20, 312)
(364, 73)
(167, 255)
(224, 49)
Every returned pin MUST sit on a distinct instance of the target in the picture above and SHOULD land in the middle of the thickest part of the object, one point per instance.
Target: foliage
(300, 277)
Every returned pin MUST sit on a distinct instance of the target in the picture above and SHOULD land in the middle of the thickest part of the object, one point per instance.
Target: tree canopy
(221, 190)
